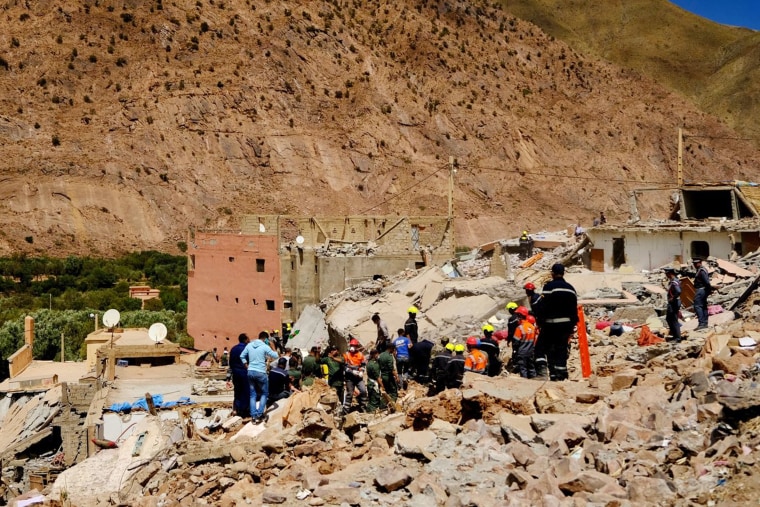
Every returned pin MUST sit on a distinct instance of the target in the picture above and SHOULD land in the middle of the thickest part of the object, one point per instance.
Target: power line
(570, 176)
(404, 191)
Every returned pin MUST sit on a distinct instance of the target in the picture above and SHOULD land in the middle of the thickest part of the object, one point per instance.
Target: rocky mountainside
(711, 64)
(123, 123)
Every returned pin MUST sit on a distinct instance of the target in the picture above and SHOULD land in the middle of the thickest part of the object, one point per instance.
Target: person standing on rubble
(674, 303)
(279, 382)
(491, 348)
(383, 335)
(560, 316)
(526, 245)
(355, 364)
(523, 345)
(255, 357)
(534, 299)
(310, 369)
(374, 382)
(703, 289)
(420, 360)
(238, 373)
(476, 360)
(455, 368)
(410, 326)
(335, 370)
(512, 322)
(403, 345)
(440, 362)
(388, 374)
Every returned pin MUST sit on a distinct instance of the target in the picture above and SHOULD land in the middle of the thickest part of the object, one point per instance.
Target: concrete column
(29, 330)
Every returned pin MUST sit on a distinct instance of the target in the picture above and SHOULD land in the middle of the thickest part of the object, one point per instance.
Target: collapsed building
(268, 271)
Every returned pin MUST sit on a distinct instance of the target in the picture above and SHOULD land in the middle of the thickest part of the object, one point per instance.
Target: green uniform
(295, 377)
(373, 387)
(335, 373)
(309, 370)
(387, 364)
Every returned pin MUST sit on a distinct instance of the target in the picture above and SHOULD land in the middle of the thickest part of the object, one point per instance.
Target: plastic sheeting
(142, 404)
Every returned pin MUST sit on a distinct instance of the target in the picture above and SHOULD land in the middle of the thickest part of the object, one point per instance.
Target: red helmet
(531, 319)
(530, 286)
(521, 310)
(353, 343)
(472, 340)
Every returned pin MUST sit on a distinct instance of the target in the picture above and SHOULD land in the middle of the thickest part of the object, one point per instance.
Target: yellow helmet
(450, 347)
(525, 233)
(412, 309)
(512, 305)
(488, 328)
(458, 347)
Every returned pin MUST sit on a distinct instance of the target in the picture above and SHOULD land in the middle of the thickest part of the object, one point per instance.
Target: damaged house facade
(706, 220)
(267, 272)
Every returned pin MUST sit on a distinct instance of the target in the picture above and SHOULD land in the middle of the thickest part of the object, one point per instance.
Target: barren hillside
(124, 122)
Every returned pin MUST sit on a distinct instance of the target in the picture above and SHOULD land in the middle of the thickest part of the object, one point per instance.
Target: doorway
(618, 252)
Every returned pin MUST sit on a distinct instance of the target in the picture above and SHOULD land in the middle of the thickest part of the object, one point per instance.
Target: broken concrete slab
(391, 479)
(312, 329)
(478, 308)
(516, 427)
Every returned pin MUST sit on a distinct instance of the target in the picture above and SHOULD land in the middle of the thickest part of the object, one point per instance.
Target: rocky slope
(123, 123)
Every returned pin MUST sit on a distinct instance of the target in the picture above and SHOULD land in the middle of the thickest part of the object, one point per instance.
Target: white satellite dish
(262, 228)
(111, 318)
(157, 332)
(299, 240)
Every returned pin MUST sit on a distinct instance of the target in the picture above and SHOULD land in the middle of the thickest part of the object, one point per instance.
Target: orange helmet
(521, 310)
(530, 286)
(472, 340)
(531, 319)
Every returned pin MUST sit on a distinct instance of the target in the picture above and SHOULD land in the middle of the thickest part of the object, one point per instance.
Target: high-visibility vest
(476, 361)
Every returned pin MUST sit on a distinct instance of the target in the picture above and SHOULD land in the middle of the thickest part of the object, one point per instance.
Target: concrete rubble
(666, 424)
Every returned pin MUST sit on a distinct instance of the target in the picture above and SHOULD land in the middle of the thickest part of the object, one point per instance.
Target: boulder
(645, 489)
(414, 443)
(516, 427)
(588, 481)
(390, 479)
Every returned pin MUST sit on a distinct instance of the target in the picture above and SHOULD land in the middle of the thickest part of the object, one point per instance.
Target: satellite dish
(262, 228)
(111, 318)
(157, 332)
(299, 240)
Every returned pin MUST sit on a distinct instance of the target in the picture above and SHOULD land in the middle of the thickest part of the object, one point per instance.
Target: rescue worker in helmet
(476, 360)
(440, 362)
(524, 344)
(526, 245)
(455, 368)
(410, 326)
(512, 322)
(491, 348)
(355, 364)
(534, 300)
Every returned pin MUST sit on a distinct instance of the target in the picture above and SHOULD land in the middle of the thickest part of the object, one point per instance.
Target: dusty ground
(124, 123)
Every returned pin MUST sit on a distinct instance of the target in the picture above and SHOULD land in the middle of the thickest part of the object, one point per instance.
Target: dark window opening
(231, 259)
(270, 305)
(316, 267)
(700, 249)
(292, 265)
(287, 304)
(419, 265)
(236, 300)
(702, 204)
(260, 265)
(254, 302)
(217, 297)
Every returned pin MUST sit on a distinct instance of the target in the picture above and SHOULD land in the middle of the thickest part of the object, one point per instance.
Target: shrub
(56, 141)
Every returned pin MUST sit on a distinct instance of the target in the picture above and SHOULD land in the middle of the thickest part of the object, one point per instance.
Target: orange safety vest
(526, 332)
(476, 361)
(355, 359)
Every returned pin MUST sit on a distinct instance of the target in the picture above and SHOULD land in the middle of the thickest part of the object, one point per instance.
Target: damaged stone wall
(75, 403)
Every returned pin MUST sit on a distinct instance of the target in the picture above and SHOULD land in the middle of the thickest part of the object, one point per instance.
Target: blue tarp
(142, 404)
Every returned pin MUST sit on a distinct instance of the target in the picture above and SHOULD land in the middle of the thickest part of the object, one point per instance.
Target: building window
(231, 259)
(270, 305)
(260, 265)
(254, 302)
(700, 249)
(287, 304)
(217, 297)
(236, 300)
(292, 265)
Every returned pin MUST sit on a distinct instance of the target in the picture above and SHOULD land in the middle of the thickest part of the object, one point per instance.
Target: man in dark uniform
(455, 368)
(703, 289)
(238, 373)
(420, 359)
(410, 326)
(560, 316)
(490, 347)
(440, 362)
(674, 303)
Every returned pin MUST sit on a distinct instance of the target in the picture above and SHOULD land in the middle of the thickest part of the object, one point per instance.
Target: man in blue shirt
(402, 344)
(239, 376)
(255, 356)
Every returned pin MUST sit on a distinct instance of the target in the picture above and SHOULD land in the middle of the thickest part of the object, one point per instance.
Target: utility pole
(63, 350)
(452, 171)
(679, 169)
